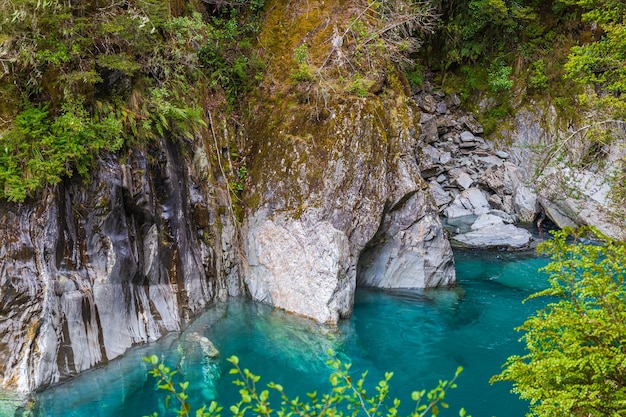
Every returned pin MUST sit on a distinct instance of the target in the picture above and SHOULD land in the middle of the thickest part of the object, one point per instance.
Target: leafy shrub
(498, 78)
(111, 75)
(347, 396)
(575, 360)
(40, 149)
(537, 78)
(360, 86)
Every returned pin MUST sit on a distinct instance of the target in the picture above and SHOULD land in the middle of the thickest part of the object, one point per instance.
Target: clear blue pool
(422, 336)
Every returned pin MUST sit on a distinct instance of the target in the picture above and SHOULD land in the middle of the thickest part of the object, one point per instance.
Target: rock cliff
(572, 165)
(336, 192)
(346, 181)
(334, 182)
(92, 268)
(142, 246)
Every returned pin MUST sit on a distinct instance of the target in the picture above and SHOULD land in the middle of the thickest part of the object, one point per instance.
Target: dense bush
(575, 360)
(89, 76)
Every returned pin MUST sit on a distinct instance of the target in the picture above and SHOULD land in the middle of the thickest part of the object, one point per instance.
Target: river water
(422, 336)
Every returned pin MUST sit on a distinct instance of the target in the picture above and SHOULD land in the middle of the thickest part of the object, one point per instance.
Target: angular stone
(429, 131)
(467, 136)
(487, 220)
(429, 156)
(525, 203)
(427, 103)
(495, 201)
(456, 209)
(464, 180)
(441, 196)
(472, 124)
(502, 154)
(474, 199)
(442, 108)
(454, 100)
(466, 145)
(489, 161)
(506, 218)
(495, 236)
(425, 117)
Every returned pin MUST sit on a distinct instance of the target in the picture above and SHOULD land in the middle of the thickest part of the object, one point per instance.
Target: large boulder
(490, 231)
(299, 265)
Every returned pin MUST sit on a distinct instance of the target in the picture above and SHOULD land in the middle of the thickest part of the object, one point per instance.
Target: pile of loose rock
(478, 189)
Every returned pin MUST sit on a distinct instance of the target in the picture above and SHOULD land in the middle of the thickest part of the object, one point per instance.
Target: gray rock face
(575, 198)
(570, 192)
(408, 251)
(87, 272)
(350, 184)
(300, 265)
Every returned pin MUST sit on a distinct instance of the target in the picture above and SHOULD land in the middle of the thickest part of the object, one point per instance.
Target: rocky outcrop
(573, 169)
(333, 176)
(478, 189)
(93, 268)
(409, 250)
(349, 189)
(540, 165)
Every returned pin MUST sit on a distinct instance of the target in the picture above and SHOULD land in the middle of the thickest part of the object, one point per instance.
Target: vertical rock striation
(90, 270)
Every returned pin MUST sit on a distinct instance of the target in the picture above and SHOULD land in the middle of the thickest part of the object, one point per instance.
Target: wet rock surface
(90, 270)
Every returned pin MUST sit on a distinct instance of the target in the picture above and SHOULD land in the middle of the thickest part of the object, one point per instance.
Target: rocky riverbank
(478, 190)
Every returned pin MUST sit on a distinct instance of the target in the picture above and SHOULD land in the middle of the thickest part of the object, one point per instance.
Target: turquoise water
(422, 336)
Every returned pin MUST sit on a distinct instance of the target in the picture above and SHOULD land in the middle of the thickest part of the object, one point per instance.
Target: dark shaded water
(422, 336)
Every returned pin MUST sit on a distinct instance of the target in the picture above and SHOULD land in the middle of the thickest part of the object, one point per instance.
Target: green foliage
(177, 392)
(301, 54)
(360, 86)
(346, 396)
(498, 78)
(94, 76)
(602, 62)
(415, 76)
(40, 149)
(227, 55)
(302, 71)
(238, 184)
(537, 78)
(575, 363)
(472, 31)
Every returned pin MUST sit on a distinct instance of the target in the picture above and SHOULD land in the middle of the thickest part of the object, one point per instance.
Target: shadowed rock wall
(91, 269)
